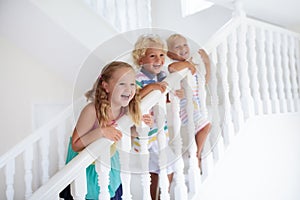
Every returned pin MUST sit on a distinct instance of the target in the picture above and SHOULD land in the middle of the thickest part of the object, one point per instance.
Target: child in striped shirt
(179, 52)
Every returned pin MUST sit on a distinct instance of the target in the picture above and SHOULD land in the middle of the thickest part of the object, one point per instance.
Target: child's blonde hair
(143, 43)
(172, 38)
(99, 96)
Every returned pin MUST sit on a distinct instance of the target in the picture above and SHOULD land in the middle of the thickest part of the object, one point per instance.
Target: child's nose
(159, 59)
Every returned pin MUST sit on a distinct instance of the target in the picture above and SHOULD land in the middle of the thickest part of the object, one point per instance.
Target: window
(189, 7)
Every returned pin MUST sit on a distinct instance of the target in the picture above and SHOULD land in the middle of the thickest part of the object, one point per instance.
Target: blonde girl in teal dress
(113, 95)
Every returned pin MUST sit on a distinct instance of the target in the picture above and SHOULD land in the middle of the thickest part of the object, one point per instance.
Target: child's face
(180, 47)
(121, 87)
(153, 60)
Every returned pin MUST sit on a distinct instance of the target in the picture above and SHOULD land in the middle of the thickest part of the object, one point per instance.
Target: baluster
(28, 159)
(297, 56)
(279, 73)
(79, 186)
(9, 177)
(253, 71)
(125, 146)
(61, 136)
(180, 189)
(143, 131)
(286, 74)
(271, 72)
(103, 167)
(246, 98)
(293, 72)
(121, 11)
(193, 171)
(44, 148)
(131, 15)
(263, 71)
(237, 115)
(160, 115)
(227, 123)
(215, 138)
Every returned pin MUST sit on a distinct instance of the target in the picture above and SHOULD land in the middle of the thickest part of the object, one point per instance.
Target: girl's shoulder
(89, 108)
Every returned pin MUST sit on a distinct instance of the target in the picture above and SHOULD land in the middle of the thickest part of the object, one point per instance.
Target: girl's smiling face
(153, 60)
(180, 47)
(121, 87)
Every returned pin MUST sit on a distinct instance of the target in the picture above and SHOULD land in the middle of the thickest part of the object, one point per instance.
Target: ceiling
(283, 13)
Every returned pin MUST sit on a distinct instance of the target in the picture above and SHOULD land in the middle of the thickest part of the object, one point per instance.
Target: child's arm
(177, 66)
(206, 62)
(152, 86)
(175, 56)
(82, 134)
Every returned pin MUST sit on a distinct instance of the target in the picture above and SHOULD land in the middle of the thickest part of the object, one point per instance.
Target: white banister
(279, 72)
(143, 131)
(246, 98)
(237, 115)
(228, 131)
(76, 167)
(160, 116)
(9, 179)
(253, 70)
(271, 71)
(124, 146)
(215, 133)
(103, 166)
(44, 153)
(78, 186)
(297, 56)
(292, 63)
(28, 159)
(193, 170)
(286, 74)
(261, 41)
(180, 189)
(61, 137)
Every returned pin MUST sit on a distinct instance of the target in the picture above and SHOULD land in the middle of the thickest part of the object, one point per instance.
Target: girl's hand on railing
(148, 119)
(111, 133)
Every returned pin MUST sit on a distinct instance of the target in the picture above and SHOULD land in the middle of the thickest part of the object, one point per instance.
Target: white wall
(198, 27)
(23, 82)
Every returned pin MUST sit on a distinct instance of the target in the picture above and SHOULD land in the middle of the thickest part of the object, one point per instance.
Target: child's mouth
(126, 97)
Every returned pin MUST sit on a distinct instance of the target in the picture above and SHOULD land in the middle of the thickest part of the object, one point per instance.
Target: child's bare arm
(82, 136)
(177, 66)
(153, 86)
(175, 56)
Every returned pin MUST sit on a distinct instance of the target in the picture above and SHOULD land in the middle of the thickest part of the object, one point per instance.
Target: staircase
(255, 72)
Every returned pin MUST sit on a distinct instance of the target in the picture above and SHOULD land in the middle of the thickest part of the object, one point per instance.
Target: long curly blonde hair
(99, 96)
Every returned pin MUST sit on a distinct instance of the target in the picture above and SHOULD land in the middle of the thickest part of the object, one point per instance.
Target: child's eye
(162, 55)
(132, 84)
(121, 83)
